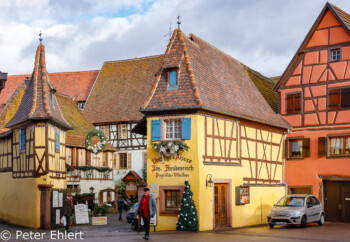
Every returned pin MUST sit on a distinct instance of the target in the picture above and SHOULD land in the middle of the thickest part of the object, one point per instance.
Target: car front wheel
(271, 226)
(321, 222)
(303, 222)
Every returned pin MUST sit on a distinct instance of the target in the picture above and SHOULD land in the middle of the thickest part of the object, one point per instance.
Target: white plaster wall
(137, 159)
(97, 184)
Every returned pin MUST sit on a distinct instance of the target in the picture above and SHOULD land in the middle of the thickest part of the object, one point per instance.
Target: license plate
(280, 223)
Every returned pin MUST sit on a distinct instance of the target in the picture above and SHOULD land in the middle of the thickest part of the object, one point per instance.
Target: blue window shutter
(173, 80)
(156, 130)
(57, 139)
(23, 139)
(186, 128)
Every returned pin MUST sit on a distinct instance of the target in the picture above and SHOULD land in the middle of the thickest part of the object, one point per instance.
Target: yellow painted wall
(20, 197)
(262, 197)
(20, 200)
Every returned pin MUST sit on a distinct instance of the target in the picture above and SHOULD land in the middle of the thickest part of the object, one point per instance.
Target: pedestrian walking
(68, 210)
(120, 203)
(147, 210)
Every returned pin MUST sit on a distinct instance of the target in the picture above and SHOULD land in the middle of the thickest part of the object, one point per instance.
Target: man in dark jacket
(147, 210)
(120, 203)
(68, 208)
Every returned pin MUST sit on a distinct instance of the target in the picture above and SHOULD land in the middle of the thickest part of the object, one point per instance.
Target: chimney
(27, 80)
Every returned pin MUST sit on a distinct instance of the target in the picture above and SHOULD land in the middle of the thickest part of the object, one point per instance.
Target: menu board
(242, 195)
(81, 214)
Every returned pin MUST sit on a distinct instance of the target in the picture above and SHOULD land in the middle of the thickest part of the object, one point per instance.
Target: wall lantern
(209, 182)
(92, 189)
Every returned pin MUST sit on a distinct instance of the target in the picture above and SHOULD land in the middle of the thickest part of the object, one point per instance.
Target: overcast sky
(82, 34)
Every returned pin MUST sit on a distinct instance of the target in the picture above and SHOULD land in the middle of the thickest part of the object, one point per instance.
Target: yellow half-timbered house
(206, 99)
(41, 134)
(32, 151)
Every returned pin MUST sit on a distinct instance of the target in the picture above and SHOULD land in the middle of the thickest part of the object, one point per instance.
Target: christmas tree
(188, 219)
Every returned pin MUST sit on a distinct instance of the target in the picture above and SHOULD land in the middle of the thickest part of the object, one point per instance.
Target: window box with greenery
(171, 133)
(298, 148)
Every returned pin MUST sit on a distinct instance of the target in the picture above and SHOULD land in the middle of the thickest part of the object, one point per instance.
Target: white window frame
(171, 134)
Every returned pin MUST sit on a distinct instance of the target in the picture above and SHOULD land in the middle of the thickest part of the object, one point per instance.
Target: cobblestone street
(121, 232)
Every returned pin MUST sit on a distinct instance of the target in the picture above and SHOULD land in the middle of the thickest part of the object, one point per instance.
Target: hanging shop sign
(131, 189)
(242, 195)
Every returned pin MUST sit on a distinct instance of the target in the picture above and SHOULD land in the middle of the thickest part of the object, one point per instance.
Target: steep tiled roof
(76, 84)
(210, 80)
(11, 107)
(342, 14)
(120, 89)
(36, 102)
(265, 86)
(74, 116)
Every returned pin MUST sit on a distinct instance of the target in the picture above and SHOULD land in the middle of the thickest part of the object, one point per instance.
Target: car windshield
(135, 206)
(291, 202)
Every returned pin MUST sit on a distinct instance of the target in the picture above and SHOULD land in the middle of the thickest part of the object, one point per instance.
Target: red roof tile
(76, 84)
(211, 80)
(120, 89)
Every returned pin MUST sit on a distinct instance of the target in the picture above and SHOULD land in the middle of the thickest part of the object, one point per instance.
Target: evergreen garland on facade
(188, 218)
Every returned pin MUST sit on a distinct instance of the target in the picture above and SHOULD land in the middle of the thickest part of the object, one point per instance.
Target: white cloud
(82, 34)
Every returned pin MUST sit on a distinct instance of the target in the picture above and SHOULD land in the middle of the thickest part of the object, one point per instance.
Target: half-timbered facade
(33, 150)
(314, 97)
(39, 127)
(206, 99)
(86, 170)
(113, 107)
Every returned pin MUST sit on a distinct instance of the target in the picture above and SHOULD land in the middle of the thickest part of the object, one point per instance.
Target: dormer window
(172, 80)
(53, 99)
(81, 105)
(335, 55)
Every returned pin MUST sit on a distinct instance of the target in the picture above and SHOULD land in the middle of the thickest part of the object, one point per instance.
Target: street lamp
(92, 190)
(209, 183)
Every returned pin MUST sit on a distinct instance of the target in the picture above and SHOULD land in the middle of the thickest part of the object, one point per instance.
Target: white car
(296, 210)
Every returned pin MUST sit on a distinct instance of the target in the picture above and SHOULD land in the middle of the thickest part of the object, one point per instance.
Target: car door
(318, 207)
(310, 210)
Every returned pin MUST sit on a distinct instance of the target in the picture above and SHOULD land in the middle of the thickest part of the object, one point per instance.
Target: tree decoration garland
(169, 148)
(188, 218)
(87, 168)
(100, 146)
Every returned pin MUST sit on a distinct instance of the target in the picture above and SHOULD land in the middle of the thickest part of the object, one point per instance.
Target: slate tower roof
(37, 100)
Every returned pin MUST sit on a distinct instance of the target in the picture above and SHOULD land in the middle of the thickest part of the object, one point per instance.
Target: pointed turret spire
(38, 101)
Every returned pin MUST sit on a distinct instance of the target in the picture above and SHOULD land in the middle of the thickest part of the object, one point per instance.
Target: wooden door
(346, 202)
(332, 201)
(220, 197)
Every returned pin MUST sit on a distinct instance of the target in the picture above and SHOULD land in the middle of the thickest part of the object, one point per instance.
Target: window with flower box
(171, 129)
